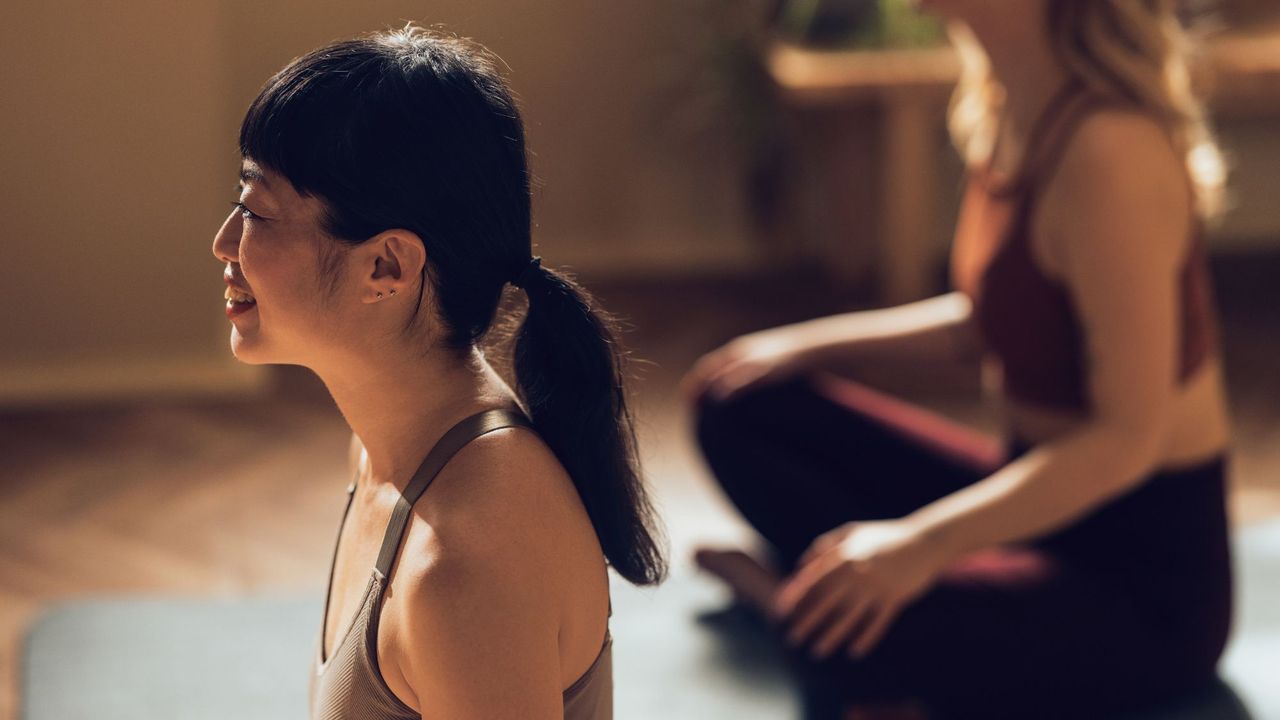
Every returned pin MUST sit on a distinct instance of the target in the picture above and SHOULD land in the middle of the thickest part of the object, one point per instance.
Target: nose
(226, 244)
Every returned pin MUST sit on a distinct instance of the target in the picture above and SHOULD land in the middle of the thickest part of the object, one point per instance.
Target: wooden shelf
(1239, 72)
(844, 75)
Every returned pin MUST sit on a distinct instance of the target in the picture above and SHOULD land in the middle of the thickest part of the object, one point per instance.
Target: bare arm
(486, 586)
(1120, 228)
(936, 329)
(481, 630)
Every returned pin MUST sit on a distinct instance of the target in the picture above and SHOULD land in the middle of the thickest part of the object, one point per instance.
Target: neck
(400, 403)
(1026, 68)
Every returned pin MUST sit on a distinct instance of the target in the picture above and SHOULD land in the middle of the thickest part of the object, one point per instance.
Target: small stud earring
(379, 296)
(393, 291)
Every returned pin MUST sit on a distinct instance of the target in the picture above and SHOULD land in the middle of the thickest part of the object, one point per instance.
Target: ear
(391, 264)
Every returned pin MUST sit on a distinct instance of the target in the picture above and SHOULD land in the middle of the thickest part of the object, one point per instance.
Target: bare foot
(750, 579)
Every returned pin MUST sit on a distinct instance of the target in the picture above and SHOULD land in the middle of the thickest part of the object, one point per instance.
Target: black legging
(1128, 606)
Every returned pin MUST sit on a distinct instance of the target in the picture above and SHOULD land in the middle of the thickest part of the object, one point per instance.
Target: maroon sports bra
(1027, 319)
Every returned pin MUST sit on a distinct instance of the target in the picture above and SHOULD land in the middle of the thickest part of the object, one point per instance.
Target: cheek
(273, 272)
(286, 273)
(255, 264)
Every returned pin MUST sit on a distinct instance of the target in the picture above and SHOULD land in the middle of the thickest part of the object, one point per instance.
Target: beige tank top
(348, 684)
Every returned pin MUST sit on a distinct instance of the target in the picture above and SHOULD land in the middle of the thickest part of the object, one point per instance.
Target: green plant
(858, 24)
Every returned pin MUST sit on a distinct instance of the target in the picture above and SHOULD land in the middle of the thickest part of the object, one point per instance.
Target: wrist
(938, 540)
(806, 358)
(810, 350)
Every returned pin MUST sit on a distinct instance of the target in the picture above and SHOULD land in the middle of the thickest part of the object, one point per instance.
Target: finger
(820, 544)
(818, 547)
(815, 601)
(869, 638)
(790, 594)
(816, 610)
(838, 632)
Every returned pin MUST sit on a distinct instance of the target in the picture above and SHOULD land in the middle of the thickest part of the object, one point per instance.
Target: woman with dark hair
(384, 205)
(1080, 565)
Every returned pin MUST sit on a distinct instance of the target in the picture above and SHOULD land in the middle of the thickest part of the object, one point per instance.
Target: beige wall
(119, 123)
(109, 194)
(1252, 147)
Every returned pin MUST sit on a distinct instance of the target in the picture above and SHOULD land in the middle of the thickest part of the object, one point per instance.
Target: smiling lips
(234, 292)
(236, 295)
(238, 300)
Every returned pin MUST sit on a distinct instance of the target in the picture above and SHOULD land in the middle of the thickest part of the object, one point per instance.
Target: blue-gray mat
(675, 656)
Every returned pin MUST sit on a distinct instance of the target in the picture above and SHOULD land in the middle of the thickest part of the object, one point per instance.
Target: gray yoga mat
(194, 658)
(677, 654)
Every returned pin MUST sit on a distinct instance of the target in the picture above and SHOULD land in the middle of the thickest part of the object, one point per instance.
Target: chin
(246, 349)
(248, 359)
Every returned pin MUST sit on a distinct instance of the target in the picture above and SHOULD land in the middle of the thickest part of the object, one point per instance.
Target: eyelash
(245, 212)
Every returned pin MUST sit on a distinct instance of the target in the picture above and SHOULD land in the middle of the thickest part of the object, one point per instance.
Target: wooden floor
(244, 497)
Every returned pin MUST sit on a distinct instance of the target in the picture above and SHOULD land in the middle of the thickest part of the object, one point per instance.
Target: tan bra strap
(1040, 128)
(454, 440)
(1049, 149)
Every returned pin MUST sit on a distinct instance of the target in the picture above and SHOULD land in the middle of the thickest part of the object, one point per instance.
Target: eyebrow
(247, 174)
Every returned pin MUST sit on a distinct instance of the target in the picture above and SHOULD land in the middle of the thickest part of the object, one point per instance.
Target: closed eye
(245, 212)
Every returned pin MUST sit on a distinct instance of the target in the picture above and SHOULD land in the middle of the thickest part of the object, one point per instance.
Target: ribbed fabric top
(348, 685)
(1027, 319)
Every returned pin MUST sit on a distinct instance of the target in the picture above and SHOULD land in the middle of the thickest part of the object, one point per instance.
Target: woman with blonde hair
(383, 210)
(1080, 564)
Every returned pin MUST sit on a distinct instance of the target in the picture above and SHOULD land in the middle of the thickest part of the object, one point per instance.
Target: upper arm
(480, 630)
(948, 316)
(1120, 219)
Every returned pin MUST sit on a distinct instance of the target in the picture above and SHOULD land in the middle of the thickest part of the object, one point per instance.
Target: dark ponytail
(568, 368)
(409, 129)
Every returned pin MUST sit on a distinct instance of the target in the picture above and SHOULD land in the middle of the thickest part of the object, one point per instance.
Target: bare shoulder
(504, 517)
(495, 520)
(507, 487)
(1118, 154)
(1120, 184)
(480, 581)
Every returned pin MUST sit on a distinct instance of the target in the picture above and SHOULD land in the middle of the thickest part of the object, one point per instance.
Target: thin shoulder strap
(454, 440)
(333, 562)
(1040, 129)
(1049, 149)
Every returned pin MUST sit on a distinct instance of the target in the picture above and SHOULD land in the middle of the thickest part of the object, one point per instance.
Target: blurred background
(707, 167)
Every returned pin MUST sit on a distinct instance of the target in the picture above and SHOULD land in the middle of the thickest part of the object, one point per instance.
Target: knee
(723, 426)
(713, 423)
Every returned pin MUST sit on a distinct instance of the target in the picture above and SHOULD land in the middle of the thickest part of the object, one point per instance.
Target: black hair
(415, 130)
